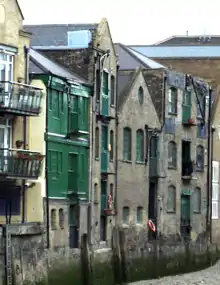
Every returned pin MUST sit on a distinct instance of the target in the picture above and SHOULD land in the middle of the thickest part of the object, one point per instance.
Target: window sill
(127, 161)
(199, 170)
(97, 159)
(197, 213)
(171, 113)
(203, 138)
(125, 225)
(140, 162)
(171, 212)
(172, 167)
(215, 218)
(112, 106)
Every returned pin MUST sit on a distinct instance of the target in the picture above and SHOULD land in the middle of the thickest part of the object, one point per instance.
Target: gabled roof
(177, 51)
(130, 59)
(198, 40)
(19, 8)
(41, 64)
(55, 35)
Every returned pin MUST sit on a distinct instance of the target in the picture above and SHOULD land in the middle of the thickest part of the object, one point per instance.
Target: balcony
(23, 164)
(20, 99)
(187, 170)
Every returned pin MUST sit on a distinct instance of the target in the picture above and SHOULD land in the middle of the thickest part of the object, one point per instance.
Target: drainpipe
(116, 145)
(26, 51)
(212, 147)
(209, 168)
(46, 167)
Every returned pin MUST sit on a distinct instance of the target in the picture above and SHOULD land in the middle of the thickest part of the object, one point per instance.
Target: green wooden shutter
(74, 116)
(104, 150)
(186, 107)
(127, 144)
(83, 117)
(105, 93)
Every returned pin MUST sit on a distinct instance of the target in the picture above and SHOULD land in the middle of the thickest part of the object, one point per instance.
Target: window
(112, 190)
(201, 131)
(197, 200)
(215, 189)
(172, 155)
(170, 126)
(105, 83)
(139, 215)
(6, 67)
(141, 95)
(96, 199)
(111, 157)
(127, 137)
(172, 100)
(125, 215)
(61, 218)
(112, 90)
(97, 139)
(53, 219)
(139, 146)
(171, 199)
(98, 85)
(200, 158)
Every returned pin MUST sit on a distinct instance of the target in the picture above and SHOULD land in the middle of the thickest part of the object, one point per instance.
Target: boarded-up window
(197, 200)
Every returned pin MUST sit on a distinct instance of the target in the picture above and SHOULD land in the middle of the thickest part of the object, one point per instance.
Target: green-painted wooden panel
(105, 93)
(67, 169)
(185, 207)
(186, 107)
(104, 150)
(103, 196)
(57, 112)
(79, 114)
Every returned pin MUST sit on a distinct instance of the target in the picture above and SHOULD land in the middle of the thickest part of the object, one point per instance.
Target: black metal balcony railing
(20, 163)
(20, 98)
(187, 168)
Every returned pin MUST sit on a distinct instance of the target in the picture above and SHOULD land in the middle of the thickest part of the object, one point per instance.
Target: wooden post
(116, 256)
(122, 241)
(85, 261)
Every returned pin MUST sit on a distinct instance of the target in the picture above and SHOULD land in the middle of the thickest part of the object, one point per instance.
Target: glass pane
(2, 72)
(2, 133)
(10, 73)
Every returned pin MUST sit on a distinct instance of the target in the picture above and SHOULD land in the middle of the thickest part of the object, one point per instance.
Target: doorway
(152, 207)
(185, 223)
(74, 226)
(187, 167)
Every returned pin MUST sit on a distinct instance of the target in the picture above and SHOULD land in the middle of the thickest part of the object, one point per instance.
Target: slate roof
(190, 40)
(125, 80)
(41, 64)
(54, 35)
(178, 51)
(129, 59)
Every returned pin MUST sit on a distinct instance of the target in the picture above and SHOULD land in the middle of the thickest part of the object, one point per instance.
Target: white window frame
(215, 187)
(7, 63)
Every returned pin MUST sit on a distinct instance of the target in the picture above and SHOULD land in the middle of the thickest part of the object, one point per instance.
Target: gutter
(116, 145)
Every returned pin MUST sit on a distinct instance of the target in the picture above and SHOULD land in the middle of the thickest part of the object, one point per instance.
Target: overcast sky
(131, 22)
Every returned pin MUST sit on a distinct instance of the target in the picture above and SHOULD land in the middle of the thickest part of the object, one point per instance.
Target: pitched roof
(19, 8)
(60, 34)
(177, 51)
(197, 40)
(130, 59)
(40, 63)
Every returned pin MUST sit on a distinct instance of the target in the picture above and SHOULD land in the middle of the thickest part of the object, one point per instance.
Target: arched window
(171, 199)
(141, 95)
(139, 215)
(172, 155)
(139, 145)
(53, 218)
(61, 218)
(97, 139)
(172, 101)
(125, 215)
(127, 140)
(200, 158)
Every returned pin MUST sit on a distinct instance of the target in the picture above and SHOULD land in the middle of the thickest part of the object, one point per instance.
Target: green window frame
(111, 156)
(139, 145)
(197, 200)
(127, 140)
(172, 100)
(172, 155)
(141, 95)
(171, 199)
(139, 215)
(125, 214)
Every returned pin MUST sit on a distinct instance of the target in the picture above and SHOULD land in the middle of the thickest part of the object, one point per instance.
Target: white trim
(56, 135)
(215, 187)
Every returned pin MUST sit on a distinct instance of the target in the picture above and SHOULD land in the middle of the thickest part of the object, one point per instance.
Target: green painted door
(103, 196)
(186, 106)
(105, 94)
(104, 151)
(185, 226)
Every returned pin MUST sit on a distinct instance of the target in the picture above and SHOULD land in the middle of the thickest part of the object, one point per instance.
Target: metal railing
(20, 163)
(20, 98)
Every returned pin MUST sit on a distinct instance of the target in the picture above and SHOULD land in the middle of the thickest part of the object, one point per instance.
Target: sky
(131, 22)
